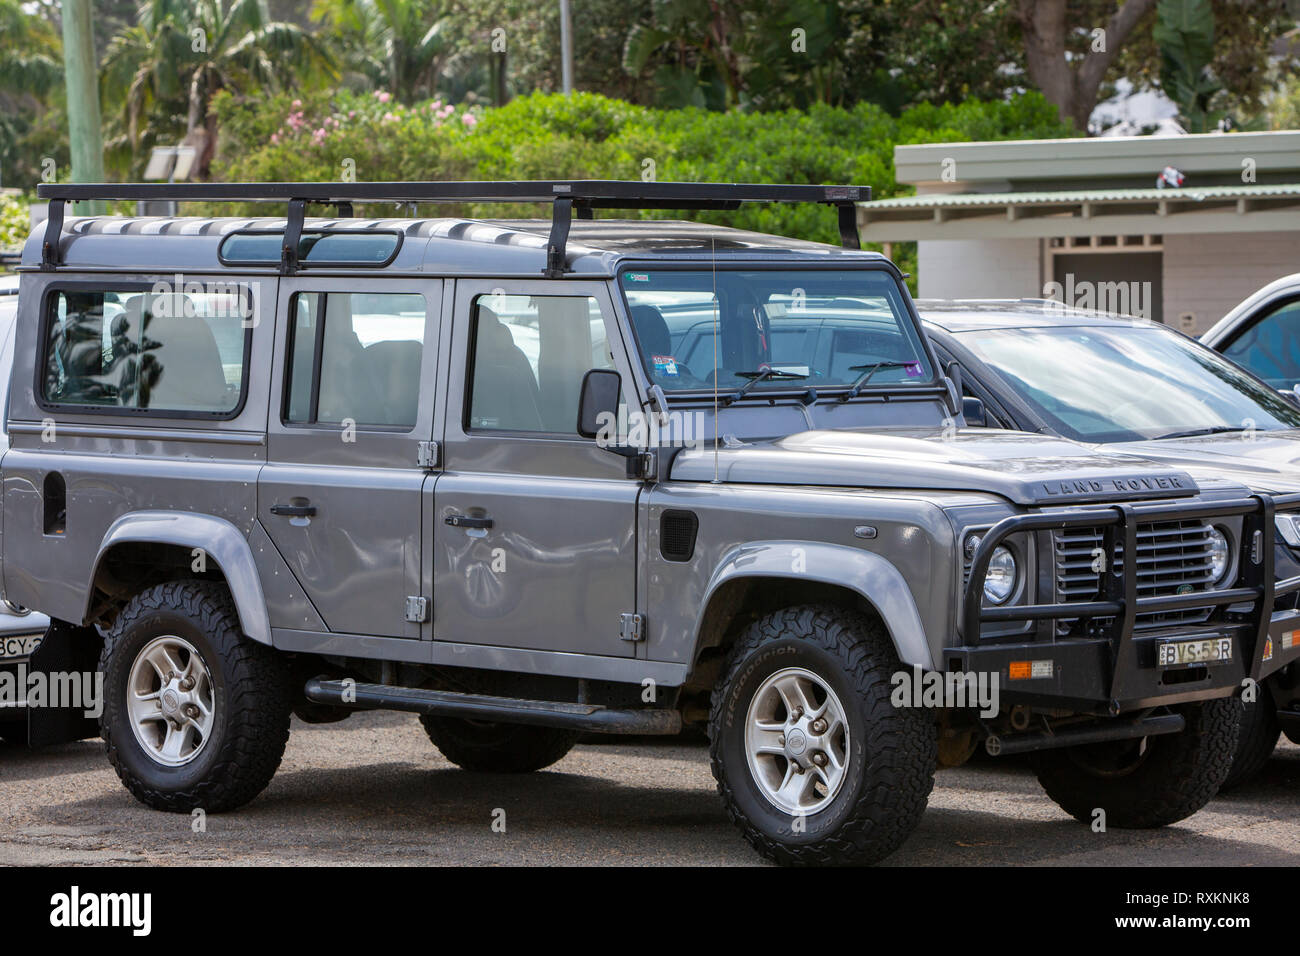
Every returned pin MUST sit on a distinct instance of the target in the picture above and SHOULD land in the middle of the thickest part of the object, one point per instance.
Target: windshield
(795, 328)
(1104, 384)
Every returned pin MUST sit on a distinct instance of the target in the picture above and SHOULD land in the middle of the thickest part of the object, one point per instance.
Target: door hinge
(643, 465)
(426, 454)
(417, 609)
(631, 627)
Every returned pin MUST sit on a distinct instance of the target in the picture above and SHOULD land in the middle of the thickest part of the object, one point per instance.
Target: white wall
(978, 269)
(1208, 274)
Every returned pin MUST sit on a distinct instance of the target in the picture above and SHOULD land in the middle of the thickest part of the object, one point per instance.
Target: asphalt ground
(374, 790)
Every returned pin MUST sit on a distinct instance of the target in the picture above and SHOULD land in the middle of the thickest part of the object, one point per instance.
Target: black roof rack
(568, 198)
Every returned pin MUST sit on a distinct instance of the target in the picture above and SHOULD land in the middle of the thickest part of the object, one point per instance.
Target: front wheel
(195, 714)
(814, 763)
(1257, 741)
(1151, 781)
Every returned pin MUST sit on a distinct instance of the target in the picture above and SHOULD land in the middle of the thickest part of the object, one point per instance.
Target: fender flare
(224, 544)
(868, 574)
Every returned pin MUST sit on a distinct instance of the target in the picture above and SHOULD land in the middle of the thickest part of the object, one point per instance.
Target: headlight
(1220, 556)
(1000, 582)
(1288, 526)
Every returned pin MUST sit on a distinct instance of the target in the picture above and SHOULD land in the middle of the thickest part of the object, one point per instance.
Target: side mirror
(601, 388)
(972, 409)
(952, 381)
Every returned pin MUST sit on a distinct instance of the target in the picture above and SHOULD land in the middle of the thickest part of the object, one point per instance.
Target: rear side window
(169, 353)
(369, 345)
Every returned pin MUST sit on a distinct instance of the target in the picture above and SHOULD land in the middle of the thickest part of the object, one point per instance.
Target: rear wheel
(492, 747)
(814, 763)
(1149, 782)
(195, 714)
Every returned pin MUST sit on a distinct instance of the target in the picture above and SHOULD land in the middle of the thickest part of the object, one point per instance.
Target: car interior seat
(394, 367)
(348, 387)
(505, 394)
(180, 364)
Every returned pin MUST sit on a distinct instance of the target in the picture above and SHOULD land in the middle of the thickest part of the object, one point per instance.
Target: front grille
(1172, 556)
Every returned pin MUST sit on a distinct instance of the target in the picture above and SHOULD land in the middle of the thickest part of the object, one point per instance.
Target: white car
(1263, 333)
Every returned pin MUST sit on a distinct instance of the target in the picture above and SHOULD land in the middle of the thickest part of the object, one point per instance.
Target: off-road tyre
(489, 747)
(1259, 732)
(251, 694)
(1146, 783)
(891, 751)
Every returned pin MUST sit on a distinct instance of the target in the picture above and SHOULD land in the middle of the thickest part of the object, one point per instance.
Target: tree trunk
(195, 115)
(724, 57)
(1073, 88)
(1042, 25)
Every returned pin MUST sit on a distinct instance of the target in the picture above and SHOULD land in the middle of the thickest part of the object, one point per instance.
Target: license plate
(1211, 650)
(17, 647)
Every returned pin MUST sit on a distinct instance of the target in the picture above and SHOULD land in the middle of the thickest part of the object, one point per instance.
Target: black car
(1133, 385)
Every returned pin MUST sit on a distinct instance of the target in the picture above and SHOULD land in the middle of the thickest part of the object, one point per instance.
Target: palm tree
(401, 46)
(181, 53)
(30, 61)
(31, 76)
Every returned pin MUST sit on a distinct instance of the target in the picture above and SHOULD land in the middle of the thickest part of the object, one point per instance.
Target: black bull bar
(1114, 669)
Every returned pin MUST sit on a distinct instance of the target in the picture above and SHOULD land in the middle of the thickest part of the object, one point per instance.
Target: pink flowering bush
(310, 137)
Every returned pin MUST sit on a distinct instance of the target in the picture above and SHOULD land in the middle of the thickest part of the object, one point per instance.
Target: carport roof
(1042, 213)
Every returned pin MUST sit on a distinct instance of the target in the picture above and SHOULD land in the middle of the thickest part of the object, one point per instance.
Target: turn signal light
(1029, 670)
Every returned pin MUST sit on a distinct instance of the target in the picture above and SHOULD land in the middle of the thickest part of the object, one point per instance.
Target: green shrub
(588, 136)
(15, 223)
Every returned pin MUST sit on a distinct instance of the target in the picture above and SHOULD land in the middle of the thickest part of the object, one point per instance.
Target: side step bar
(592, 718)
(1069, 737)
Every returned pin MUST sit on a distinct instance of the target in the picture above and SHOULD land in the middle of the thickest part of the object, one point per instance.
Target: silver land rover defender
(528, 479)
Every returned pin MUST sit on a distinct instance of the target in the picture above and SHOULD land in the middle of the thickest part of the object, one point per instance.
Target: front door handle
(294, 511)
(467, 521)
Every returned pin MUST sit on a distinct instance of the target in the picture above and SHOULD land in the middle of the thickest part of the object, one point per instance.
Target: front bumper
(1116, 671)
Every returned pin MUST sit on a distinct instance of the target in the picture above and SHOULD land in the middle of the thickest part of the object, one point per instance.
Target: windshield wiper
(1195, 432)
(867, 371)
(762, 375)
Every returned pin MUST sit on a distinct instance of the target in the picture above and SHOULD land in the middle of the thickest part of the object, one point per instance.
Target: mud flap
(72, 650)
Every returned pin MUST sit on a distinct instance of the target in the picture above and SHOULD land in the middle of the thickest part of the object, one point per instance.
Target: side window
(164, 352)
(355, 356)
(530, 355)
(1270, 347)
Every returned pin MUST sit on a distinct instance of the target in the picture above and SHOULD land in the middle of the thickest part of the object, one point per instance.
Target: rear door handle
(294, 511)
(467, 521)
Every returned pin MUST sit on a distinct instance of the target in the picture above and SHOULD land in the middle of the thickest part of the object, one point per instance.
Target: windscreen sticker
(664, 364)
(638, 277)
(912, 370)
